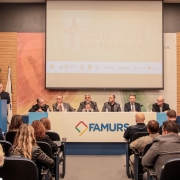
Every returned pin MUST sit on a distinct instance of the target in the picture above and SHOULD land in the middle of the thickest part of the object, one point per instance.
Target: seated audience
(1, 156)
(132, 105)
(140, 143)
(25, 145)
(164, 148)
(171, 116)
(40, 106)
(47, 124)
(40, 134)
(60, 106)
(93, 105)
(16, 122)
(111, 105)
(160, 106)
(139, 127)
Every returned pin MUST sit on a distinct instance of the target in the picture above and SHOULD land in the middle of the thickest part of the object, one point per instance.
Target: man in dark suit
(132, 105)
(111, 106)
(87, 102)
(40, 106)
(160, 106)
(3, 94)
(139, 127)
(61, 106)
(164, 148)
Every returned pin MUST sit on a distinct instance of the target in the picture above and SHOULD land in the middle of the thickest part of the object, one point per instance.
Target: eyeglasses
(159, 100)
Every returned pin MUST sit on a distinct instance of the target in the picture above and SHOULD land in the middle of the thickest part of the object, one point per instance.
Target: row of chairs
(59, 157)
(170, 170)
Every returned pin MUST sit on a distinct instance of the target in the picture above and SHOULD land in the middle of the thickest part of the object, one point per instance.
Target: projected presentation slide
(104, 44)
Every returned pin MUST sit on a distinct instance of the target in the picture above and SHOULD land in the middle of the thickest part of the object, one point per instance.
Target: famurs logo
(80, 129)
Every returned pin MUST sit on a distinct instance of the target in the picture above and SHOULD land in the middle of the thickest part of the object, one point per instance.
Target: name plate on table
(94, 127)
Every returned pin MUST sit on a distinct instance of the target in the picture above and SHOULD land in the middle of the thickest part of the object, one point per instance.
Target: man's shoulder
(55, 104)
(5, 93)
(138, 104)
(126, 104)
(93, 102)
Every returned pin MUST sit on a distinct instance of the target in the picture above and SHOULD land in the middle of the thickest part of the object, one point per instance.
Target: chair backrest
(10, 136)
(53, 135)
(139, 134)
(171, 170)
(6, 146)
(18, 168)
(46, 148)
(146, 148)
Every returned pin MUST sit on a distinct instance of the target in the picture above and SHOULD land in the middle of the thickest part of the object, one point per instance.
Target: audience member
(132, 105)
(47, 124)
(164, 148)
(140, 143)
(60, 106)
(16, 122)
(40, 134)
(25, 145)
(3, 94)
(40, 106)
(160, 106)
(111, 105)
(92, 106)
(139, 127)
(171, 115)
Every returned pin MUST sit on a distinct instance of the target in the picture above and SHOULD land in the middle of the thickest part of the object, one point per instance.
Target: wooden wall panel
(8, 52)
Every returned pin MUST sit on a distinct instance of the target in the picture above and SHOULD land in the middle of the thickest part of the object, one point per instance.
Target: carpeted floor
(95, 168)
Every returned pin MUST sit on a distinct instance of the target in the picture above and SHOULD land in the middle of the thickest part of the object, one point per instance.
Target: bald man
(139, 127)
(160, 106)
(3, 94)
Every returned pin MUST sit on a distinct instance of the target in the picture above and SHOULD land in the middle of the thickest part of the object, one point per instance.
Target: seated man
(40, 106)
(164, 148)
(60, 106)
(93, 105)
(111, 106)
(3, 94)
(140, 143)
(171, 116)
(132, 105)
(139, 127)
(160, 106)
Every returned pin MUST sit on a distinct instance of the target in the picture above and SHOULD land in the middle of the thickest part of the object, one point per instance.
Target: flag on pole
(9, 90)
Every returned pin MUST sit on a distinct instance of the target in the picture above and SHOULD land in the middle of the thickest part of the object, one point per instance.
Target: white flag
(9, 90)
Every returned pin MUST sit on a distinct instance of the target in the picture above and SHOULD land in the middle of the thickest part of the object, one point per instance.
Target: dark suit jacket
(35, 107)
(107, 105)
(5, 95)
(164, 148)
(93, 106)
(127, 107)
(156, 108)
(66, 106)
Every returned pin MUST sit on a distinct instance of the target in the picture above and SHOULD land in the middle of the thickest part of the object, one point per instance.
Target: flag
(9, 90)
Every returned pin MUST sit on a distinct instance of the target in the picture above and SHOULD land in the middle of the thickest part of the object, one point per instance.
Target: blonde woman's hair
(1, 156)
(25, 140)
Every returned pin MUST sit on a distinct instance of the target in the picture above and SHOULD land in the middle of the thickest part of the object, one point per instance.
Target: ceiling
(43, 1)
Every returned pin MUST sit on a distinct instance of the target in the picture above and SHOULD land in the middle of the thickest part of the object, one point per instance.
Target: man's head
(132, 98)
(170, 127)
(160, 101)
(153, 127)
(59, 99)
(40, 102)
(171, 115)
(87, 98)
(112, 98)
(1, 88)
(140, 118)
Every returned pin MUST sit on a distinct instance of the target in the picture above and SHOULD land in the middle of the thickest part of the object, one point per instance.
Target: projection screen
(104, 44)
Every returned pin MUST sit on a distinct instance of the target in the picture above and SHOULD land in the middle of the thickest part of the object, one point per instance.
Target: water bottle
(106, 109)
